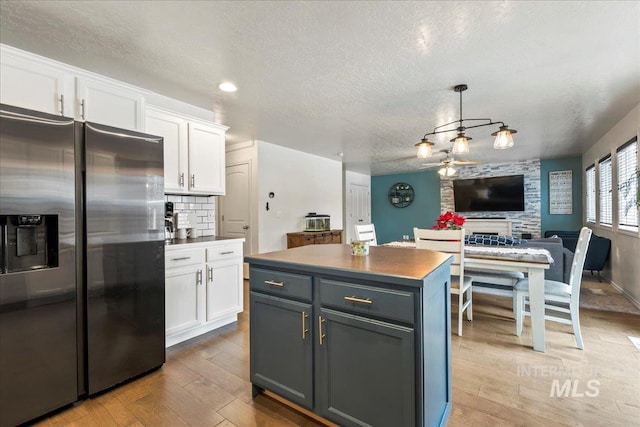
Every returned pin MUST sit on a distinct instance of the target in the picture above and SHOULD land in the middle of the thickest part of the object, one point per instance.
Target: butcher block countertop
(408, 266)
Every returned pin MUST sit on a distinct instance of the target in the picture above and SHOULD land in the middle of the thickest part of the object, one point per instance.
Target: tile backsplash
(203, 206)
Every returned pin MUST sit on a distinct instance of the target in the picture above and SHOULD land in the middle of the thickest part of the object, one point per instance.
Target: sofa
(559, 270)
(597, 253)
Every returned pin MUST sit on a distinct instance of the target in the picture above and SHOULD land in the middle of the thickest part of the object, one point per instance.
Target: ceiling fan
(447, 164)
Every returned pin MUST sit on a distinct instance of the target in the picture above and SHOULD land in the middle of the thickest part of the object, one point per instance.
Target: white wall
(302, 183)
(623, 270)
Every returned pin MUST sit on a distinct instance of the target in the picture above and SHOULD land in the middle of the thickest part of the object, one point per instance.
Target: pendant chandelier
(504, 138)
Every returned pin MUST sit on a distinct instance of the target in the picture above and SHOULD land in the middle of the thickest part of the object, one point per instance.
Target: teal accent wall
(391, 222)
(561, 222)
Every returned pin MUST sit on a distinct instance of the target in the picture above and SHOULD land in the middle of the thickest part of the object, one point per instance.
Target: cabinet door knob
(62, 105)
(210, 274)
(182, 179)
(199, 277)
(82, 109)
(193, 181)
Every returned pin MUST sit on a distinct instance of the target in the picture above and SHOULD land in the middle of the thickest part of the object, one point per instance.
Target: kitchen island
(357, 340)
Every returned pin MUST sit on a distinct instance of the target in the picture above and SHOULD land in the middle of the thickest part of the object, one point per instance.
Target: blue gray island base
(359, 341)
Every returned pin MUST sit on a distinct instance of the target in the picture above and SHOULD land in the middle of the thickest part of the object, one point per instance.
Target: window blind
(606, 209)
(627, 163)
(591, 193)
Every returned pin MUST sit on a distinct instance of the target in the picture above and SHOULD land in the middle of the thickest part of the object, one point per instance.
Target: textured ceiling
(367, 79)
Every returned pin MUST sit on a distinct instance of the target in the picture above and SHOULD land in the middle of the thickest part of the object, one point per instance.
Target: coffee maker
(169, 230)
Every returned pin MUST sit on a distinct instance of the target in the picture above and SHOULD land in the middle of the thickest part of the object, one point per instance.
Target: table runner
(507, 253)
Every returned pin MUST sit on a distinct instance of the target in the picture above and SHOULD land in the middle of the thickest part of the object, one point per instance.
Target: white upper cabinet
(174, 130)
(109, 104)
(194, 161)
(33, 84)
(206, 159)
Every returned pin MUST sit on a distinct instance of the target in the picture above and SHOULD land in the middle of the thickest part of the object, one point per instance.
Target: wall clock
(401, 195)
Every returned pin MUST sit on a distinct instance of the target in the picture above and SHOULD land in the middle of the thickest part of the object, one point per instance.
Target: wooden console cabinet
(304, 238)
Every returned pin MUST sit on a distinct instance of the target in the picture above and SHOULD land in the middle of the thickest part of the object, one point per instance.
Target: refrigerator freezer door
(124, 196)
(38, 359)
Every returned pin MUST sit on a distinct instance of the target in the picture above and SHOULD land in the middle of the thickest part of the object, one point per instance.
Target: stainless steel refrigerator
(81, 262)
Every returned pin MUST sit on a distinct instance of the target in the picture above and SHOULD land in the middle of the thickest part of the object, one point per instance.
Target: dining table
(532, 261)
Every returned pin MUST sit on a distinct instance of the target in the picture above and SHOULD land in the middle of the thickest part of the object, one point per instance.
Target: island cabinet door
(366, 371)
(281, 344)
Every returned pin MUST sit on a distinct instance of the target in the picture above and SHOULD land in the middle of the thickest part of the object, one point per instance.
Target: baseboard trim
(179, 337)
(625, 293)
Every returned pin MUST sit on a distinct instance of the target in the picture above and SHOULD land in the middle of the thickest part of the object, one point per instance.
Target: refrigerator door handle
(124, 135)
(29, 118)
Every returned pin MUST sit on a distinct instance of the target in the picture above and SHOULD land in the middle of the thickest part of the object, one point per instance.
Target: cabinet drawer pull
(226, 253)
(273, 283)
(358, 300)
(304, 325)
(182, 258)
(320, 334)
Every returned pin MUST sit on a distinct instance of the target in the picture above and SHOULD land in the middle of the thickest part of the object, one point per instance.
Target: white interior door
(235, 213)
(359, 207)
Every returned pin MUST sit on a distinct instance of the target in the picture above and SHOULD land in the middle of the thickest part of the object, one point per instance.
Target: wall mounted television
(492, 194)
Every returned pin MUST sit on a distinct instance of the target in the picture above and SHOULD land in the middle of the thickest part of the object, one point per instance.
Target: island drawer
(183, 258)
(390, 304)
(287, 285)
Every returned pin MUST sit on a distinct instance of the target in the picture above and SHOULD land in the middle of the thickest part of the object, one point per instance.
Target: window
(627, 163)
(591, 193)
(606, 209)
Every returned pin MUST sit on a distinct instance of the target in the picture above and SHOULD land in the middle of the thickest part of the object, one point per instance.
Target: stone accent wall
(203, 206)
(521, 222)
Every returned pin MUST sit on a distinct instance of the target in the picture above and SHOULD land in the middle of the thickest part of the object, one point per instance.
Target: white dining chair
(450, 242)
(558, 293)
(366, 232)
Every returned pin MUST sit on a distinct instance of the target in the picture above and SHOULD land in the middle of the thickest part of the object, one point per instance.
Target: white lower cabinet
(182, 289)
(203, 288)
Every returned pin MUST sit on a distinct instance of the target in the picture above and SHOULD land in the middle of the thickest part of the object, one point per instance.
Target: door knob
(245, 227)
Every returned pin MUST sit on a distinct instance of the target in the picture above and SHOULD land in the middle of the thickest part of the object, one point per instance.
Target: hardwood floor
(497, 379)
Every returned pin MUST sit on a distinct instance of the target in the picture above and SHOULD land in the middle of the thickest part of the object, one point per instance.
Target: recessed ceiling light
(227, 87)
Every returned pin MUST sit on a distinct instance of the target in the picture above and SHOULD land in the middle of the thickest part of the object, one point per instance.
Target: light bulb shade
(447, 171)
(424, 148)
(460, 144)
(503, 138)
